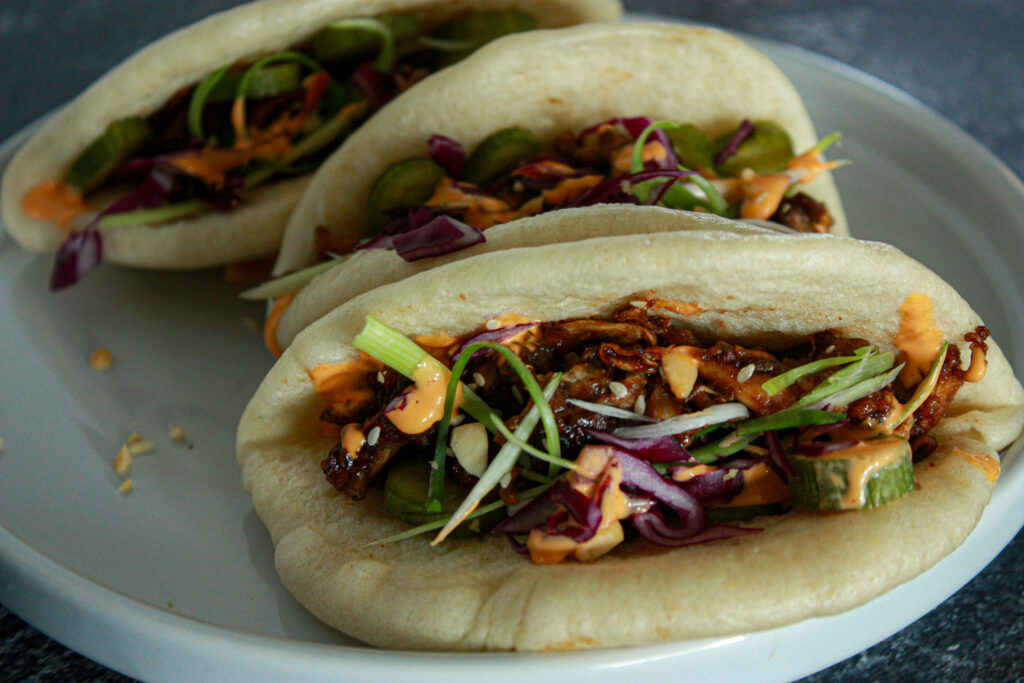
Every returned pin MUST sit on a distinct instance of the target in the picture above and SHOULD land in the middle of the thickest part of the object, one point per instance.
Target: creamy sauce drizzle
(424, 401)
(919, 338)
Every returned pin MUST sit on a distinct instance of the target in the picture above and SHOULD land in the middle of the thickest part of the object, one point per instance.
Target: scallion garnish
(925, 388)
(292, 282)
(787, 419)
(527, 448)
(198, 101)
(524, 497)
(403, 355)
(502, 462)
(780, 382)
(870, 365)
(857, 391)
(385, 58)
(446, 44)
(160, 214)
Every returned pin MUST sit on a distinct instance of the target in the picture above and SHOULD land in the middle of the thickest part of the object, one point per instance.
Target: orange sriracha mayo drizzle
(343, 386)
(761, 486)
(652, 151)
(54, 202)
(424, 401)
(481, 211)
(919, 339)
(597, 474)
(763, 194)
(986, 462)
(273, 320)
(979, 364)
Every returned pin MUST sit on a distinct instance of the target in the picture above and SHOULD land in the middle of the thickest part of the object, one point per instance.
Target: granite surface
(964, 59)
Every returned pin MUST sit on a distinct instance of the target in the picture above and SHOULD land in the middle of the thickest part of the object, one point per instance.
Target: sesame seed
(373, 436)
(380, 377)
(831, 348)
(618, 389)
(457, 420)
(493, 324)
(479, 379)
(745, 373)
(101, 359)
(640, 407)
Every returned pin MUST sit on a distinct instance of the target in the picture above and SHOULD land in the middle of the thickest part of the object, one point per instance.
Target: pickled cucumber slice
(692, 145)
(118, 143)
(767, 150)
(478, 28)
(869, 474)
(409, 182)
(266, 82)
(337, 42)
(405, 497)
(498, 152)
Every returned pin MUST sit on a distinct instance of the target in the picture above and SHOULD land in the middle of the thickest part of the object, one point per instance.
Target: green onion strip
(524, 497)
(198, 101)
(502, 462)
(436, 488)
(384, 61)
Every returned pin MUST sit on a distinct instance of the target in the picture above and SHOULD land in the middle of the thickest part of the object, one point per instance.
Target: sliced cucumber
(869, 474)
(118, 143)
(498, 152)
(405, 496)
(478, 28)
(267, 82)
(767, 150)
(692, 145)
(340, 41)
(405, 183)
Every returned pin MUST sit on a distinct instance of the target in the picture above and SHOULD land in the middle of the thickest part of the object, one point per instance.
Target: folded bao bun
(142, 83)
(548, 82)
(753, 286)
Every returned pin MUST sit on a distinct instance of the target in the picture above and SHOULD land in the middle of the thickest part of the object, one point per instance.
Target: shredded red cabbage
(733, 144)
(372, 85)
(653, 527)
(775, 454)
(654, 449)
(442, 235)
(715, 487)
(78, 254)
(612, 191)
(641, 476)
(533, 514)
(447, 153)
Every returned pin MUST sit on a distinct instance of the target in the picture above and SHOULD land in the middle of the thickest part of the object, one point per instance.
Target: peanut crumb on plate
(123, 461)
(176, 432)
(126, 486)
(101, 359)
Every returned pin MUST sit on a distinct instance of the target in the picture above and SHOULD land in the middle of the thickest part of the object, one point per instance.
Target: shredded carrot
(55, 202)
(270, 326)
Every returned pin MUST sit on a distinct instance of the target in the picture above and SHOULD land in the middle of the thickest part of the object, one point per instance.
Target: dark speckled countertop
(964, 59)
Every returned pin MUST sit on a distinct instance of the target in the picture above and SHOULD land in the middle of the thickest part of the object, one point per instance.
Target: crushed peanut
(126, 486)
(176, 432)
(140, 446)
(101, 359)
(123, 461)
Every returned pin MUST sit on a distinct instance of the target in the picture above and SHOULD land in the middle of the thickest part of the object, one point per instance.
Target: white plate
(175, 581)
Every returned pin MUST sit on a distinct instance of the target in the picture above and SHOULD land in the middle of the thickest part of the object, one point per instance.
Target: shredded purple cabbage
(442, 235)
(78, 254)
(654, 449)
(653, 527)
(499, 335)
(612, 191)
(372, 85)
(733, 144)
(447, 153)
